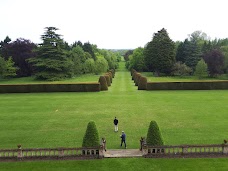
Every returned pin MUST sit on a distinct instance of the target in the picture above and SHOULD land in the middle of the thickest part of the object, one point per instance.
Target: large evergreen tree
(159, 53)
(51, 62)
(189, 53)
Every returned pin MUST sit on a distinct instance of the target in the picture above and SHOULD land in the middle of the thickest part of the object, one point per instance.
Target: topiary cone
(154, 136)
(91, 137)
(142, 84)
(103, 83)
(107, 77)
(137, 79)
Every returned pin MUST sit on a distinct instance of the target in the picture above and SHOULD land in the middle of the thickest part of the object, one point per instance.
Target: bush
(201, 69)
(133, 75)
(137, 79)
(142, 85)
(180, 69)
(110, 75)
(103, 83)
(154, 136)
(107, 77)
(91, 137)
(132, 71)
(113, 73)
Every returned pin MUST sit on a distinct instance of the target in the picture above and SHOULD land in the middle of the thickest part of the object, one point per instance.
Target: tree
(159, 53)
(91, 137)
(3, 45)
(7, 68)
(224, 50)
(154, 136)
(189, 53)
(87, 47)
(51, 62)
(127, 54)
(136, 60)
(89, 65)
(21, 50)
(201, 69)
(101, 65)
(180, 69)
(77, 55)
(215, 62)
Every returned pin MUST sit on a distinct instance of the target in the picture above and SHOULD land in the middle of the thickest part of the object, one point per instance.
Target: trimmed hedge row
(139, 80)
(201, 85)
(142, 84)
(35, 88)
(106, 80)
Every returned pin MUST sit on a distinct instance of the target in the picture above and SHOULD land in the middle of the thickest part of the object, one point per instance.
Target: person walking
(123, 139)
(115, 124)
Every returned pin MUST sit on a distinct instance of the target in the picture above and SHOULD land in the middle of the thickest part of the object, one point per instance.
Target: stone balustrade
(50, 153)
(184, 150)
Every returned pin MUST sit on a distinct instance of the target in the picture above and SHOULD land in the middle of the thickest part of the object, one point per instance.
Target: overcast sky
(113, 24)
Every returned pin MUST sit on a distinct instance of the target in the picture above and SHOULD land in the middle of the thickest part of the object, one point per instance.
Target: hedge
(203, 85)
(137, 79)
(142, 84)
(34, 88)
(103, 83)
(107, 77)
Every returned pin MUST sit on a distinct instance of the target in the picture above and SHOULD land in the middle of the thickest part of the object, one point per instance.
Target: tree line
(197, 55)
(54, 58)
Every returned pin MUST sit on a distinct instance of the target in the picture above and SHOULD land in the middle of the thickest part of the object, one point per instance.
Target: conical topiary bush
(91, 137)
(103, 83)
(142, 84)
(154, 136)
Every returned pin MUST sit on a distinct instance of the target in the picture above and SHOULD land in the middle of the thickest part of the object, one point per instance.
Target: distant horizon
(113, 24)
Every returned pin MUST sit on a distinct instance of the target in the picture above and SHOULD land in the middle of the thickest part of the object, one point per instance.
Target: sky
(113, 24)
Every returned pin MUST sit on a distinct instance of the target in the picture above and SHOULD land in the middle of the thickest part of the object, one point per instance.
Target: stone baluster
(225, 149)
(19, 152)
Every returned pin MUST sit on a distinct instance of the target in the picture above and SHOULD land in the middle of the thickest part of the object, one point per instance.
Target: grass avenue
(60, 119)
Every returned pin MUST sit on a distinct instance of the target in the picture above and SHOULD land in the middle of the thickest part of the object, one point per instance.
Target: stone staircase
(123, 153)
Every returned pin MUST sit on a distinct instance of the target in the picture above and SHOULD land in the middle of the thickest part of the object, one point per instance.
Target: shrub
(134, 76)
(132, 71)
(110, 75)
(142, 84)
(201, 69)
(180, 69)
(91, 137)
(137, 79)
(113, 73)
(154, 136)
(107, 77)
(103, 83)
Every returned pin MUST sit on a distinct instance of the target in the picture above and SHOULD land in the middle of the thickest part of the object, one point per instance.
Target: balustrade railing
(220, 149)
(51, 153)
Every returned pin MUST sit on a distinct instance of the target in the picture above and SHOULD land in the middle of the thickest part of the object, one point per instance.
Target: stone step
(123, 153)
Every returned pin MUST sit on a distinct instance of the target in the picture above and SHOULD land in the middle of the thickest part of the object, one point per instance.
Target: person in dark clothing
(123, 139)
(115, 124)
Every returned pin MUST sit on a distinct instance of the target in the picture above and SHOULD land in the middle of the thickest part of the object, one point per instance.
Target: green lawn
(152, 78)
(60, 120)
(32, 80)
